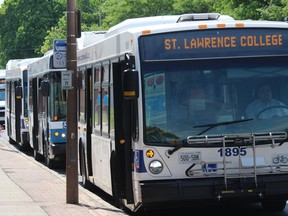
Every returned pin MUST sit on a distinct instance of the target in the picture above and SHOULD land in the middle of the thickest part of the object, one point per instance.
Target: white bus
(162, 111)
(47, 111)
(16, 112)
(2, 97)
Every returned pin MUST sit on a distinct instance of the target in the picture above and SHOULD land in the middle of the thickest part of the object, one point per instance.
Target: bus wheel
(83, 168)
(48, 162)
(11, 141)
(274, 205)
(22, 147)
(37, 156)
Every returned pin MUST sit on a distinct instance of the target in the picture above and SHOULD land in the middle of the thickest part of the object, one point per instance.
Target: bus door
(87, 77)
(122, 181)
(42, 118)
(8, 108)
(18, 105)
(35, 125)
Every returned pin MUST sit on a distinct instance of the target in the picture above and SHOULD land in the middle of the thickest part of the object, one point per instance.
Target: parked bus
(16, 112)
(2, 98)
(162, 111)
(47, 111)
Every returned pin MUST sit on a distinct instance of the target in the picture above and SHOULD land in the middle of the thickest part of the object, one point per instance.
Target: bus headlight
(155, 167)
(56, 133)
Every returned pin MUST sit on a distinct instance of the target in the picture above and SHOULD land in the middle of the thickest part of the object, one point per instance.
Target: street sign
(66, 79)
(59, 53)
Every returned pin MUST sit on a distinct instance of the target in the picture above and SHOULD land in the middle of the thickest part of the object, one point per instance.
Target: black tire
(11, 141)
(83, 168)
(274, 205)
(37, 156)
(48, 162)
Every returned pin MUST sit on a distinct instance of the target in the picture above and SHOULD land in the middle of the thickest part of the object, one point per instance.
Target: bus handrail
(207, 139)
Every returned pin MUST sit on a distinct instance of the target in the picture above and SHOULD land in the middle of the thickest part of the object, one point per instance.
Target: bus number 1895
(236, 151)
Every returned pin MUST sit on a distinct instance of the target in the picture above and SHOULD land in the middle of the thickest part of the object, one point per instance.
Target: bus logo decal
(209, 167)
(280, 159)
(138, 165)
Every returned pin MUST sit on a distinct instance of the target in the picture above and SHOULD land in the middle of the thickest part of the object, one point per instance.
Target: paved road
(29, 188)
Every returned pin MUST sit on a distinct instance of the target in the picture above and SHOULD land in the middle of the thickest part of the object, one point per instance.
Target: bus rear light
(155, 166)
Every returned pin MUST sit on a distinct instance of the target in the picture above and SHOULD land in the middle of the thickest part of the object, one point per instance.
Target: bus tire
(274, 205)
(36, 155)
(11, 141)
(48, 162)
(23, 147)
(83, 167)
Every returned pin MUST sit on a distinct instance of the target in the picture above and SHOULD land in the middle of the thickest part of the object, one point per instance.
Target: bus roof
(2, 73)
(15, 66)
(127, 32)
(43, 65)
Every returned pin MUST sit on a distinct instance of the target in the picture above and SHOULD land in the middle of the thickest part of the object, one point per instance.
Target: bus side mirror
(18, 92)
(45, 88)
(131, 84)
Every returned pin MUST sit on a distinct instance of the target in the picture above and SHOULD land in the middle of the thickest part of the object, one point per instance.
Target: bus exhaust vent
(198, 17)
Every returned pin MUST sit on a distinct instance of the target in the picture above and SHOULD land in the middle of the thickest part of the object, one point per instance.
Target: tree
(90, 21)
(24, 25)
(116, 11)
(193, 6)
(251, 9)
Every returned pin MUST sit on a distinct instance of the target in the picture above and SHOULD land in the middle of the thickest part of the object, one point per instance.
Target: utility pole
(72, 193)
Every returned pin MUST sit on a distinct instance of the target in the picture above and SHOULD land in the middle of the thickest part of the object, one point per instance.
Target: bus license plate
(189, 157)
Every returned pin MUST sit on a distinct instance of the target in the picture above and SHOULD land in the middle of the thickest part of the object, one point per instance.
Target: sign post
(59, 53)
(66, 79)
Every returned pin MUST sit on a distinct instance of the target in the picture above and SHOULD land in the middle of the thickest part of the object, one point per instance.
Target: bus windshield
(57, 98)
(184, 98)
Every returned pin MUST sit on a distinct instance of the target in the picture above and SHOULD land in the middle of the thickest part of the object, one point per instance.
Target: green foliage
(193, 6)
(116, 11)
(57, 32)
(24, 25)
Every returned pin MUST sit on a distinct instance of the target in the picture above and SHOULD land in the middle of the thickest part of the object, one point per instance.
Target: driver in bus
(265, 107)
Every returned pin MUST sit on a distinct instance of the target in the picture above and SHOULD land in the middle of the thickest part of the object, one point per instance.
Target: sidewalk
(28, 188)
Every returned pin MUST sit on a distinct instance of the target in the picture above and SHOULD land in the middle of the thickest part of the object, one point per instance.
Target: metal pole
(72, 195)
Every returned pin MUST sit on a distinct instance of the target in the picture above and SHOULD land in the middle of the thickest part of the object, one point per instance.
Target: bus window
(57, 97)
(97, 98)
(82, 98)
(105, 99)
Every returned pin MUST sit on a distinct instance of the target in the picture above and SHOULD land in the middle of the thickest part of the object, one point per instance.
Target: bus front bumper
(213, 189)
(57, 151)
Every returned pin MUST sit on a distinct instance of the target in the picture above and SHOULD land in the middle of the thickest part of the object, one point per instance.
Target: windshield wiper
(213, 125)
(210, 126)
